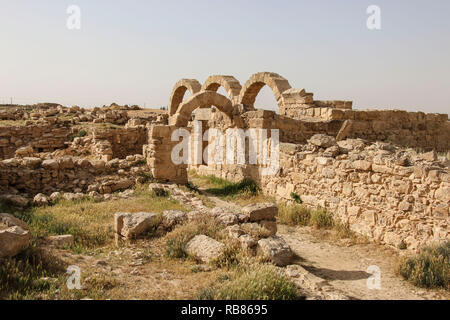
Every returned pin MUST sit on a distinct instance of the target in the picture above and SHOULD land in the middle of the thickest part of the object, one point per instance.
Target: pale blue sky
(134, 51)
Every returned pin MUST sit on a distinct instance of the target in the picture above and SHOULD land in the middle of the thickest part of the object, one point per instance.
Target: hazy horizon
(133, 52)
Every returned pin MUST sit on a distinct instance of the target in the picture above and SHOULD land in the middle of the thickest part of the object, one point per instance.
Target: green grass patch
(22, 276)
(89, 221)
(294, 215)
(225, 188)
(299, 215)
(321, 219)
(259, 282)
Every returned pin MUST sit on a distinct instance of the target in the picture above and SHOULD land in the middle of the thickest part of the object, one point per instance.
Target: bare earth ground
(141, 270)
(344, 265)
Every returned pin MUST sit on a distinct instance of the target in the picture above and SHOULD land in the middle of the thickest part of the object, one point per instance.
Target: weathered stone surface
(224, 216)
(171, 218)
(8, 220)
(260, 211)
(276, 249)
(158, 189)
(61, 240)
(204, 248)
(40, 199)
(322, 140)
(131, 225)
(14, 235)
(248, 242)
(14, 200)
(13, 240)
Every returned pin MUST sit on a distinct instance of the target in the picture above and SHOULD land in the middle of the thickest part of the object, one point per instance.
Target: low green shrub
(430, 268)
(321, 219)
(294, 215)
(262, 283)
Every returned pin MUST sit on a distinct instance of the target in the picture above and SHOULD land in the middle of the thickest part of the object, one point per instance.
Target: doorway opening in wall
(266, 100)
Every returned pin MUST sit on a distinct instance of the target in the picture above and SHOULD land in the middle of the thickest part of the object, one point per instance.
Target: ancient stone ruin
(385, 173)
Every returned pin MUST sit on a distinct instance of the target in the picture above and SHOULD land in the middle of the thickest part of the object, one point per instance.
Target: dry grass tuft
(257, 282)
(429, 269)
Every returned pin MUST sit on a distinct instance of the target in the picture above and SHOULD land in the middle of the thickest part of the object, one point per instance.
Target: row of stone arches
(237, 94)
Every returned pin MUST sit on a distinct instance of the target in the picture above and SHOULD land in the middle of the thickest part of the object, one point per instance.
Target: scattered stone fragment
(276, 249)
(204, 248)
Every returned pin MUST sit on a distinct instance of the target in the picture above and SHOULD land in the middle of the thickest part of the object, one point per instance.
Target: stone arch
(202, 99)
(230, 83)
(251, 88)
(179, 90)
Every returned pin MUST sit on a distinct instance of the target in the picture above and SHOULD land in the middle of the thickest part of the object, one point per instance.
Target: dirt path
(345, 267)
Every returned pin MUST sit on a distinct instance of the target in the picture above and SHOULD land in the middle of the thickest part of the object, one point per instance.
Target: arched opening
(181, 88)
(203, 99)
(266, 100)
(232, 87)
(253, 86)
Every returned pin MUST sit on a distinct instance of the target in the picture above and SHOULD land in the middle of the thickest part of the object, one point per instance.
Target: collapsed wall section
(31, 175)
(42, 138)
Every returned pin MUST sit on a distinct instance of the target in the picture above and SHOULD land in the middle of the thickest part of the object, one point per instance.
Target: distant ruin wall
(42, 138)
(119, 143)
(32, 175)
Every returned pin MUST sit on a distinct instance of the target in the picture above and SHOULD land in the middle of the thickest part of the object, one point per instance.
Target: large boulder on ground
(260, 211)
(131, 225)
(14, 235)
(322, 140)
(276, 249)
(204, 248)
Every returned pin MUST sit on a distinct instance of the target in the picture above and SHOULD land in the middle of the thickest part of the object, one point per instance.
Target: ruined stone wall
(409, 129)
(32, 175)
(158, 154)
(42, 138)
(110, 143)
(396, 197)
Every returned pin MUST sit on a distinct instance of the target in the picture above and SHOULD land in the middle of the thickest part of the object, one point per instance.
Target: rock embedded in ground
(204, 248)
(61, 240)
(40, 199)
(158, 189)
(171, 218)
(260, 211)
(14, 235)
(55, 196)
(8, 220)
(131, 225)
(270, 226)
(322, 140)
(14, 200)
(276, 249)
(247, 242)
